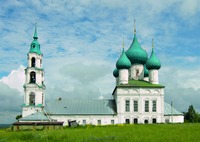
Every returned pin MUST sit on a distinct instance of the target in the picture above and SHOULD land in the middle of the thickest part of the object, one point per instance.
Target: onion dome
(35, 46)
(123, 62)
(135, 53)
(153, 62)
(146, 72)
(116, 72)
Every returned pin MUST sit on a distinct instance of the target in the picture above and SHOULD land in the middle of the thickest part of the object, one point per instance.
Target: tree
(18, 117)
(191, 115)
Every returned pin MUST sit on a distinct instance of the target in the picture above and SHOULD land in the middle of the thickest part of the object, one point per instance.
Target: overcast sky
(82, 40)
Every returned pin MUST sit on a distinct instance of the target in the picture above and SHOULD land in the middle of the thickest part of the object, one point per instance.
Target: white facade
(137, 72)
(153, 76)
(174, 119)
(34, 98)
(125, 98)
(123, 76)
(87, 119)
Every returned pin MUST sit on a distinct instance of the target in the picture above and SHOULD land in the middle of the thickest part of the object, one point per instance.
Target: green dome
(123, 62)
(146, 72)
(153, 62)
(116, 72)
(35, 46)
(135, 53)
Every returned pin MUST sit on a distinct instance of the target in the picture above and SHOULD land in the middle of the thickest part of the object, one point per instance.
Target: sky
(81, 41)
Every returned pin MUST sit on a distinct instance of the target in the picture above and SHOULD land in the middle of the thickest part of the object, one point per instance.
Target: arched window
(32, 98)
(146, 121)
(32, 77)
(33, 62)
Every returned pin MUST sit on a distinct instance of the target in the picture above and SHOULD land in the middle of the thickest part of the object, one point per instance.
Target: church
(137, 97)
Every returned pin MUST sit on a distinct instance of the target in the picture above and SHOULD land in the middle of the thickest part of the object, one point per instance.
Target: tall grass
(121, 133)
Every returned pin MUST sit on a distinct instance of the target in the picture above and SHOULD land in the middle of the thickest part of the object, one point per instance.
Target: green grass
(118, 133)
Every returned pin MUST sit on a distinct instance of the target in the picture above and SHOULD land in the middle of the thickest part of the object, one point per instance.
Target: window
(135, 120)
(32, 99)
(84, 122)
(112, 122)
(135, 106)
(154, 120)
(32, 77)
(154, 106)
(127, 121)
(33, 62)
(146, 121)
(146, 107)
(127, 107)
(99, 122)
(166, 120)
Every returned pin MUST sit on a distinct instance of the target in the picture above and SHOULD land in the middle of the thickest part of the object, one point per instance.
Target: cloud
(10, 103)
(189, 8)
(15, 79)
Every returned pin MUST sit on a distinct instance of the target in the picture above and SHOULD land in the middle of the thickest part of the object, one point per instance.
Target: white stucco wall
(38, 60)
(140, 94)
(123, 76)
(90, 119)
(30, 110)
(153, 76)
(38, 94)
(174, 119)
(137, 68)
(33, 87)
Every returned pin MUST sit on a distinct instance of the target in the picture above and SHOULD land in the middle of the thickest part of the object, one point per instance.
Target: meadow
(119, 133)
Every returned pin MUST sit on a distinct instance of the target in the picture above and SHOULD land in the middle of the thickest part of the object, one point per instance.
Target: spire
(152, 44)
(35, 34)
(134, 28)
(123, 44)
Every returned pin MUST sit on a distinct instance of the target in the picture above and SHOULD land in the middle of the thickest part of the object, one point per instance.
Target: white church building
(137, 98)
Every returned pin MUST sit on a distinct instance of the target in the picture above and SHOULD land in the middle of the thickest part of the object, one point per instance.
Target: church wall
(38, 60)
(30, 110)
(140, 95)
(89, 119)
(153, 76)
(174, 119)
(123, 76)
(38, 94)
(137, 72)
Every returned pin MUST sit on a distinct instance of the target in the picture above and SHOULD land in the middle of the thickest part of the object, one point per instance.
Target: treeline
(191, 116)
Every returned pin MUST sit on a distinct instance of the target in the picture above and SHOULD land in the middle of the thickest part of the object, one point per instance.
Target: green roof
(146, 72)
(135, 53)
(116, 72)
(35, 46)
(38, 116)
(141, 83)
(123, 62)
(153, 62)
(168, 110)
(81, 107)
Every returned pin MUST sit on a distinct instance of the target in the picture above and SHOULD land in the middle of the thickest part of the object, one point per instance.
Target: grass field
(122, 133)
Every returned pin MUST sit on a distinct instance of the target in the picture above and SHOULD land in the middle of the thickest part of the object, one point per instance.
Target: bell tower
(34, 88)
